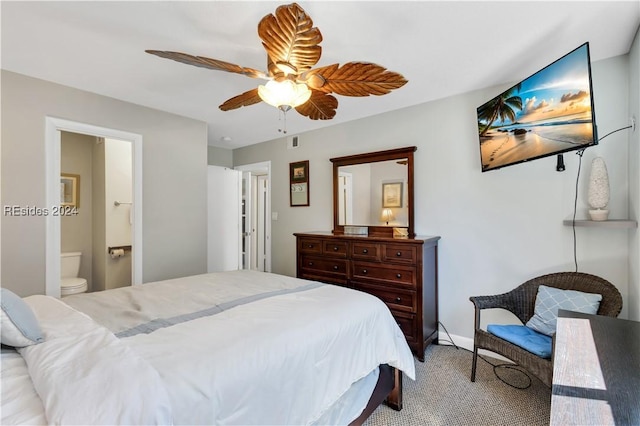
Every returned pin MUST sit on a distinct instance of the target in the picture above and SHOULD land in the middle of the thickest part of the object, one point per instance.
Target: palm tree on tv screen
(502, 107)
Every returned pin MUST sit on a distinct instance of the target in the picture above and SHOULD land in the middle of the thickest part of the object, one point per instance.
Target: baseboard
(466, 343)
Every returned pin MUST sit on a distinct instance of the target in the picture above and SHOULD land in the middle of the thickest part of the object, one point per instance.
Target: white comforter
(84, 375)
(281, 359)
(20, 402)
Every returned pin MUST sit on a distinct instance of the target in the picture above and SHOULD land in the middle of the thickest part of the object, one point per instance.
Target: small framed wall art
(69, 190)
(299, 183)
(392, 194)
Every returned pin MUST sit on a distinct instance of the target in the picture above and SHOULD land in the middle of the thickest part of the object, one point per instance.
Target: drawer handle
(310, 246)
(310, 263)
(399, 254)
(335, 267)
(398, 275)
(365, 251)
(398, 299)
(364, 271)
(335, 248)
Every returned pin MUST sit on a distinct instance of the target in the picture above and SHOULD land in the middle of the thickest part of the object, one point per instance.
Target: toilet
(70, 283)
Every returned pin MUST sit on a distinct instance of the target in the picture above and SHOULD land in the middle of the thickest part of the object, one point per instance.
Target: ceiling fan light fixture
(284, 94)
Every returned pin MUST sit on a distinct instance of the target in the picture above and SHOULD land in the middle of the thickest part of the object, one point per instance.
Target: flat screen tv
(548, 113)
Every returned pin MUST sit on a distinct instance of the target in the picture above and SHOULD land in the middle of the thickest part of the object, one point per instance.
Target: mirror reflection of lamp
(387, 215)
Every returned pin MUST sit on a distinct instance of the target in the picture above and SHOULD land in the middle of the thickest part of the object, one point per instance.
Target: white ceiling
(442, 47)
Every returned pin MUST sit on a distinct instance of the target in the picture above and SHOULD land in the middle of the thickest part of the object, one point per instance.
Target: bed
(241, 347)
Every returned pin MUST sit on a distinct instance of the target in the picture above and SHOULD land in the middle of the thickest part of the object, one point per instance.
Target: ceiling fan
(292, 45)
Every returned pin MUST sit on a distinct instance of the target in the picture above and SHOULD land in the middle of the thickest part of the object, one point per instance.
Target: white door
(345, 198)
(224, 248)
(260, 216)
(248, 229)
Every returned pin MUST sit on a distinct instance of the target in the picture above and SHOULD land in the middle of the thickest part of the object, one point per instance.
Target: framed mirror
(374, 190)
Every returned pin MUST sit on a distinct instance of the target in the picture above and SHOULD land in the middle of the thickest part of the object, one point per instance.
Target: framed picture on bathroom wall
(69, 190)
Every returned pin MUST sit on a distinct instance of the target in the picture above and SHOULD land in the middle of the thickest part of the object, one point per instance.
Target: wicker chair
(521, 301)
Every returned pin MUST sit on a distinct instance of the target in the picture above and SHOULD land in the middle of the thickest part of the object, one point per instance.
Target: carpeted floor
(442, 394)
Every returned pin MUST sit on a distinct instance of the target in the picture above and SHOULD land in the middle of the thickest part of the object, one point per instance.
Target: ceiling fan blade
(354, 79)
(321, 106)
(290, 39)
(213, 64)
(245, 99)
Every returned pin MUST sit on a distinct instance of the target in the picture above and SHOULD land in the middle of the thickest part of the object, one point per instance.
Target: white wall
(498, 228)
(118, 220)
(633, 300)
(174, 157)
(386, 172)
(99, 213)
(361, 199)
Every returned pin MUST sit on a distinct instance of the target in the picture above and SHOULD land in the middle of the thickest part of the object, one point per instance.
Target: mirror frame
(374, 157)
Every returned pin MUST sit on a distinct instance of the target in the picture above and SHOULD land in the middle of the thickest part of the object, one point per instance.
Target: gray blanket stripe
(158, 323)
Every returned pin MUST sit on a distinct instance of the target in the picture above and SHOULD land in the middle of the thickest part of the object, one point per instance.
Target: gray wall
(498, 228)
(219, 157)
(174, 158)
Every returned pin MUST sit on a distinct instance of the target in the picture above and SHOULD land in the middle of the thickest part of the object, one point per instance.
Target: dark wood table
(596, 371)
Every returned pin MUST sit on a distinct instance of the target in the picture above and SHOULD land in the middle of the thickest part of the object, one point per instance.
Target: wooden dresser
(401, 272)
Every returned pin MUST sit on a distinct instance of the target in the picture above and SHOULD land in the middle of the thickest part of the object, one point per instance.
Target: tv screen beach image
(547, 113)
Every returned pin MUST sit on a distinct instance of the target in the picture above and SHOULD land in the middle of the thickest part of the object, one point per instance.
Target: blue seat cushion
(520, 335)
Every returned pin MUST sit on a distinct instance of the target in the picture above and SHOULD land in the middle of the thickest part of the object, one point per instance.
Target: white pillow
(550, 299)
(18, 323)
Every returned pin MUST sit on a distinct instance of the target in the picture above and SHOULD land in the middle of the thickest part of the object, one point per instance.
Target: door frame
(346, 197)
(53, 127)
(260, 240)
(263, 167)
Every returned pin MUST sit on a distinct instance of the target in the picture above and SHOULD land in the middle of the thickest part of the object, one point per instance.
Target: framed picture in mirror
(299, 183)
(392, 194)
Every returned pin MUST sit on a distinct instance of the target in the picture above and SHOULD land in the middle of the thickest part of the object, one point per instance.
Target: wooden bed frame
(388, 389)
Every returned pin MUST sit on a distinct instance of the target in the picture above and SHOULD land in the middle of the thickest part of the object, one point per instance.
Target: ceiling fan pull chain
(283, 113)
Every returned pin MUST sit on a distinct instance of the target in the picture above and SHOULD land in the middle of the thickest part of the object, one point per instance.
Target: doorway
(53, 136)
(256, 217)
(95, 237)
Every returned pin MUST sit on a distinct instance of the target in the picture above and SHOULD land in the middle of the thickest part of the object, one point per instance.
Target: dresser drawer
(310, 245)
(365, 251)
(335, 248)
(407, 323)
(323, 265)
(395, 298)
(399, 274)
(312, 275)
(403, 253)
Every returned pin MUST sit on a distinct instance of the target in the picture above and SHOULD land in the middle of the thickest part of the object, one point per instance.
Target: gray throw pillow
(19, 325)
(550, 299)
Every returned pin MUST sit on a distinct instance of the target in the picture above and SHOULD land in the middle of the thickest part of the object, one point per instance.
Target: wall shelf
(611, 223)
